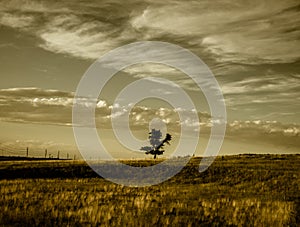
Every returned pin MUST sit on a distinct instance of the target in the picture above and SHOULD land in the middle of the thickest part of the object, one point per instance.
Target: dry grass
(234, 191)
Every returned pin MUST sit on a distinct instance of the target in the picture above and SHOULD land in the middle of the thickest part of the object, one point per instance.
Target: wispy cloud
(71, 35)
(265, 83)
(252, 47)
(16, 21)
(232, 31)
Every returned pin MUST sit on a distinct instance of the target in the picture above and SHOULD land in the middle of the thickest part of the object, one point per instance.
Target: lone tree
(157, 144)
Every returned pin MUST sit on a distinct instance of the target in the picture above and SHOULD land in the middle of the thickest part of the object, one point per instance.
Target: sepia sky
(252, 47)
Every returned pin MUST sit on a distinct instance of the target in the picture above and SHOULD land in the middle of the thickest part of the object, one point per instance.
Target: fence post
(45, 153)
(27, 151)
(57, 154)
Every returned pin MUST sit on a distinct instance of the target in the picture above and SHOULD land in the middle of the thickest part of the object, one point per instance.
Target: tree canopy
(156, 142)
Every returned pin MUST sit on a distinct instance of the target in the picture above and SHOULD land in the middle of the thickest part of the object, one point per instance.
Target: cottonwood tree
(156, 142)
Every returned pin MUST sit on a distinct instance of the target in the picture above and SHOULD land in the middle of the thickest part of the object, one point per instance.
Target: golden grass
(262, 192)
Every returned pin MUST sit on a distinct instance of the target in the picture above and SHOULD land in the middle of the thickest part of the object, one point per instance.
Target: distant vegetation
(243, 190)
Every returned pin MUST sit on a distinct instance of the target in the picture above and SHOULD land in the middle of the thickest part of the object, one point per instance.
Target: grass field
(243, 190)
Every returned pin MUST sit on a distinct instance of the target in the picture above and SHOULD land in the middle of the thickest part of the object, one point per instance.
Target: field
(242, 190)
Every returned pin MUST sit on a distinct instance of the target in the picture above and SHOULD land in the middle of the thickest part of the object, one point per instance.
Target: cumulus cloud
(35, 105)
(266, 127)
(53, 107)
(271, 132)
(46, 106)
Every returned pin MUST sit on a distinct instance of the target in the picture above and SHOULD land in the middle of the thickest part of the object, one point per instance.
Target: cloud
(271, 132)
(154, 71)
(29, 92)
(16, 21)
(85, 39)
(234, 31)
(101, 104)
(67, 28)
(267, 97)
(46, 106)
(267, 83)
(252, 47)
(227, 31)
(33, 6)
(53, 107)
(35, 105)
(225, 34)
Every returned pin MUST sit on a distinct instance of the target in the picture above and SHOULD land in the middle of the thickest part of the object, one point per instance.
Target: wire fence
(27, 152)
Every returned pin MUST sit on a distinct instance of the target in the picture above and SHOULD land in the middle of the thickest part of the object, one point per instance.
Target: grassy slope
(251, 190)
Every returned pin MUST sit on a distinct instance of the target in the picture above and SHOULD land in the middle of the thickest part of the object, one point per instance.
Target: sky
(252, 48)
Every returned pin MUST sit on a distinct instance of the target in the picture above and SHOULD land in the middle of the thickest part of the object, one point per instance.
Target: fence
(27, 152)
